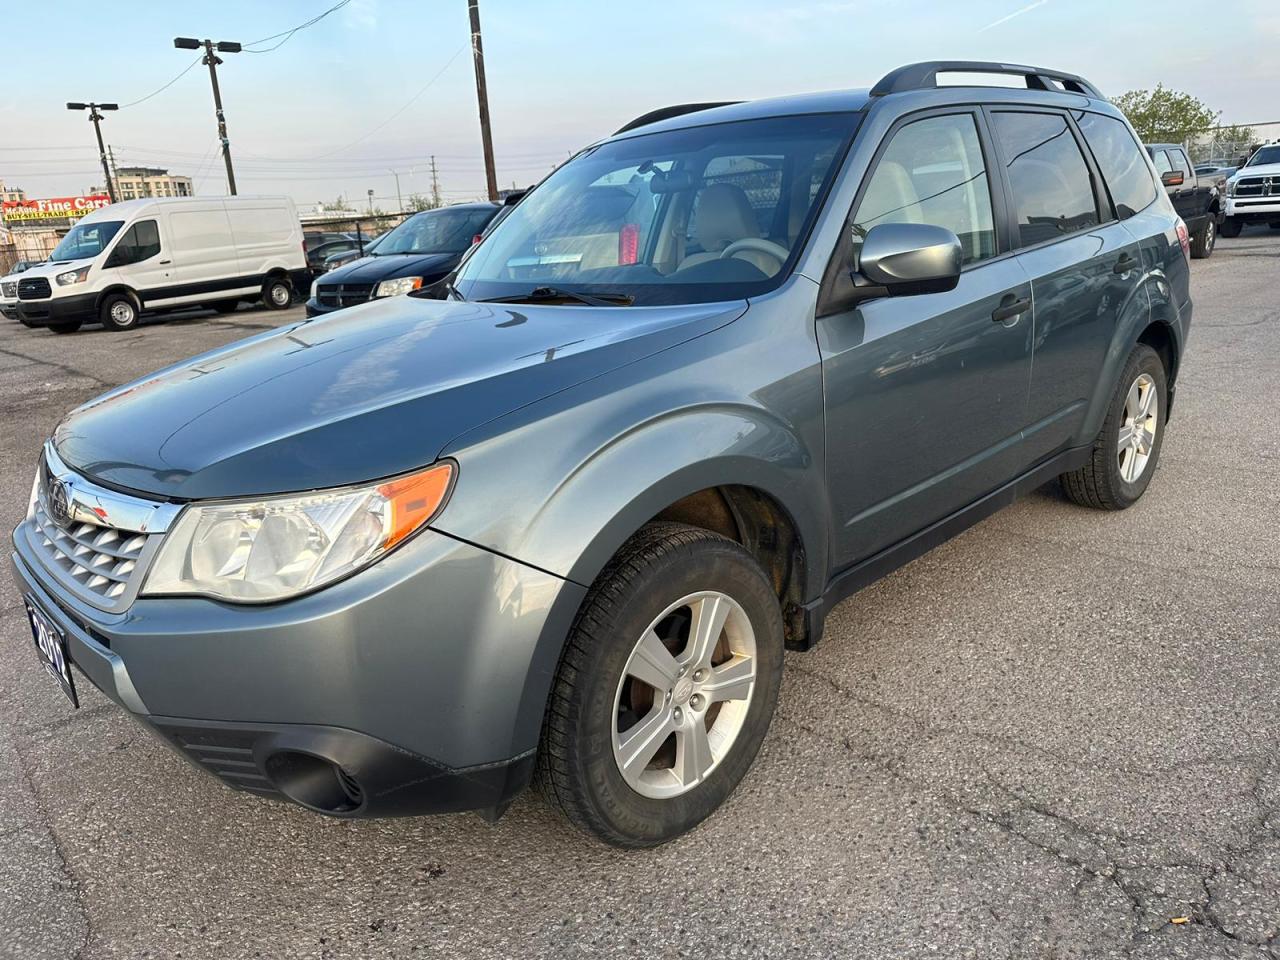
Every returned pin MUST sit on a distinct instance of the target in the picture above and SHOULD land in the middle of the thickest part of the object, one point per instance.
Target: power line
(288, 34)
(184, 72)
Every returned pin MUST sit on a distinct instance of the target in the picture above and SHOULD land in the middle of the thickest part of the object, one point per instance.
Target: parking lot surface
(1055, 736)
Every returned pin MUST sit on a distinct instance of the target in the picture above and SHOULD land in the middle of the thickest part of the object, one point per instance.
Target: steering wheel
(759, 245)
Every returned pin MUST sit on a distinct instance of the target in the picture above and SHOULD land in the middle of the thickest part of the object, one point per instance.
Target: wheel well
(1160, 339)
(761, 524)
(127, 291)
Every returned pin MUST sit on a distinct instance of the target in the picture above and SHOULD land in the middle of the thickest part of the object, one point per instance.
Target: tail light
(1184, 238)
(628, 244)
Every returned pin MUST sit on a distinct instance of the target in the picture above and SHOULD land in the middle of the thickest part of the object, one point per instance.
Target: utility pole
(115, 173)
(96, 118)
(435, 183)
(211, 60)
(482, 94)
(399, 199)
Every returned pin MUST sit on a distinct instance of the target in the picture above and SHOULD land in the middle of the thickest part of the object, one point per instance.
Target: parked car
(417, 253)
(1196, 198)
(403, 559)
(147, 256)
(317, 255)
(21, 266)
(9, 296)
(336, 260)
(312, 240)
(1253, 192)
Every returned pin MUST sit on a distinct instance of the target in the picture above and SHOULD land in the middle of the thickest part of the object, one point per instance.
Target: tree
(418, 201)
(1165, 116)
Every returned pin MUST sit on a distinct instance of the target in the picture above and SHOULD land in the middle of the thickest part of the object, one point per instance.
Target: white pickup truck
(1253, 192)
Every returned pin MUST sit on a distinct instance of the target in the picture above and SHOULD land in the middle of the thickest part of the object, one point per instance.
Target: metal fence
(363, 228)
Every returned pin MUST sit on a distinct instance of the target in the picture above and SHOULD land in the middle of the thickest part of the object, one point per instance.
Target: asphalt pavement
(1053, 737)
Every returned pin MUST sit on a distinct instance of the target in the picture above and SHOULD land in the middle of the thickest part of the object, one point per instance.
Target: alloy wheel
(684, 694)
(1138, 429)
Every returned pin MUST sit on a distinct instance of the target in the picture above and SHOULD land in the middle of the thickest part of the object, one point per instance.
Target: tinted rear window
(1120, 159)
(1052, 190)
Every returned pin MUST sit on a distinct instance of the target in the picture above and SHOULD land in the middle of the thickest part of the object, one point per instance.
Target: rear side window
(1121, 162)
(1052, 190)
(933, 172)
(140, 242)
(1163, 163)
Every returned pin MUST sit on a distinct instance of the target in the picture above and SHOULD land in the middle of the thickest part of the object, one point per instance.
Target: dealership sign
(59, 208)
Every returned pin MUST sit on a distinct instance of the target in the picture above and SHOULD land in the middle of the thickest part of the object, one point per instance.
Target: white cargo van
(142, 256)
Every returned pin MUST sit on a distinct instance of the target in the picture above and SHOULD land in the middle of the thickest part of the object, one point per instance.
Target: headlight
(1231, 188)
(72, 276)
(314, 284)
(271, 549)
(393, 288)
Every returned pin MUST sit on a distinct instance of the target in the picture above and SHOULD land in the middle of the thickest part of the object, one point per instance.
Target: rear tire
(1127, 449)
(118, 312)
(633, 673)
(67, 326)
(277, 293)
(1203, 242)
(1230, 227)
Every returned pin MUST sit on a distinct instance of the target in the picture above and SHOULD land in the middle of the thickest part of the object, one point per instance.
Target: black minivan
(416, 254)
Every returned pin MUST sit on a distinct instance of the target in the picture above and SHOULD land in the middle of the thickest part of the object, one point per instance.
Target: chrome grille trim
(101, 552)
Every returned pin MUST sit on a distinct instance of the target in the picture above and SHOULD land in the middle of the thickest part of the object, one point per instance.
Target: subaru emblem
(59, 502)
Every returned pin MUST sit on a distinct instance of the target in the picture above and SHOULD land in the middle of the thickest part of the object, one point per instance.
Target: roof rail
(921, 76)
(666, 113)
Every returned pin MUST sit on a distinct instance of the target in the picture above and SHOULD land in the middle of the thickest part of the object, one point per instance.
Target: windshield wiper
(552, 294)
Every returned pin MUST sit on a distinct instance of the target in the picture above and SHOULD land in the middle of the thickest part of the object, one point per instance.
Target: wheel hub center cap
(683, 690)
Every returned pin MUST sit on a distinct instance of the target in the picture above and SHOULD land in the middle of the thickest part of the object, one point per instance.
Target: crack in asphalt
(63, 367)
(1108, 856)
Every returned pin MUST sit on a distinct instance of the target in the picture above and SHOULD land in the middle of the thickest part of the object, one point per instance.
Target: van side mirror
(910, 258)
(1171, 178)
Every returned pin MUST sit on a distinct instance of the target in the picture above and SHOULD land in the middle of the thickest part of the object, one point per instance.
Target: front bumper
(416, 686)
(42, 313)
(1254, 208)
(9, 309)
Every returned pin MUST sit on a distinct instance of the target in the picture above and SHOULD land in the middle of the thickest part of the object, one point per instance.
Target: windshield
(683, 216)
(1265, 155)
(86, 240)
(436, 231)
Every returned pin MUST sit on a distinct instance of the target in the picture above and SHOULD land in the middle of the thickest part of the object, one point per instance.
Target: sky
(379, 86)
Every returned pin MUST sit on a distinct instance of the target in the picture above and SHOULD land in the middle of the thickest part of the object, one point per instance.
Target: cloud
(1017, 13)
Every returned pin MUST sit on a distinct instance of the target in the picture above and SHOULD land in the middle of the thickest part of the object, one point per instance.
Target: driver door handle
(1009, 309)
(165, 262)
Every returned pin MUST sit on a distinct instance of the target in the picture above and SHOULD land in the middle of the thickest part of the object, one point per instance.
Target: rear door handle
(1124, 264)
(1009, 309)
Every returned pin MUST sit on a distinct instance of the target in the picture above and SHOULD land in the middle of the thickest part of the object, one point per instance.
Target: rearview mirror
(911, 258)
(1171, 178)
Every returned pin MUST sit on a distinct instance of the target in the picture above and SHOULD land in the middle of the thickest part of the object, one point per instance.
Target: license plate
(51, 648)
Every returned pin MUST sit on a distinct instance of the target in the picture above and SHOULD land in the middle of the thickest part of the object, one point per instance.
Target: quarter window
(1052, 190)
(933, 172)
(1120, 159)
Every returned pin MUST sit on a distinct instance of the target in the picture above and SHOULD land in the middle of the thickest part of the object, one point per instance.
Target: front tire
(1202, 243)
(665, 689)
(1230, 227)
(118, 312)
(277, 293)
(1127, 450)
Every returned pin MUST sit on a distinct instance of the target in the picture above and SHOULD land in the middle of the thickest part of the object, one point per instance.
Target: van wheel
(118, 312)
(67, 326)
(1230, 227)
(1127, 449)
(1202, 243)
(277, 293)
(226, 306)
(665, 689)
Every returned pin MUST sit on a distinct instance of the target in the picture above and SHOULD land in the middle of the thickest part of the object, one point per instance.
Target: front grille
(1258, 186)
(9, 289)
(33, 288)
(343, 294)
(101, 561)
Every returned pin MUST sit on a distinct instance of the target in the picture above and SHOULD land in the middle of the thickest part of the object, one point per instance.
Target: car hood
(368, 392)
(49, 269)
(372, 268)
(1261, 170)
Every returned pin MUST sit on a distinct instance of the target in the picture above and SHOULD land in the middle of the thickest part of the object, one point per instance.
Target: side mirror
(1171, 178)
(911, 258)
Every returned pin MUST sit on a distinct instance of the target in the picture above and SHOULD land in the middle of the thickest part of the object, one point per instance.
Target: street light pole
(482, 94)
(212, 60)
(96, 118)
